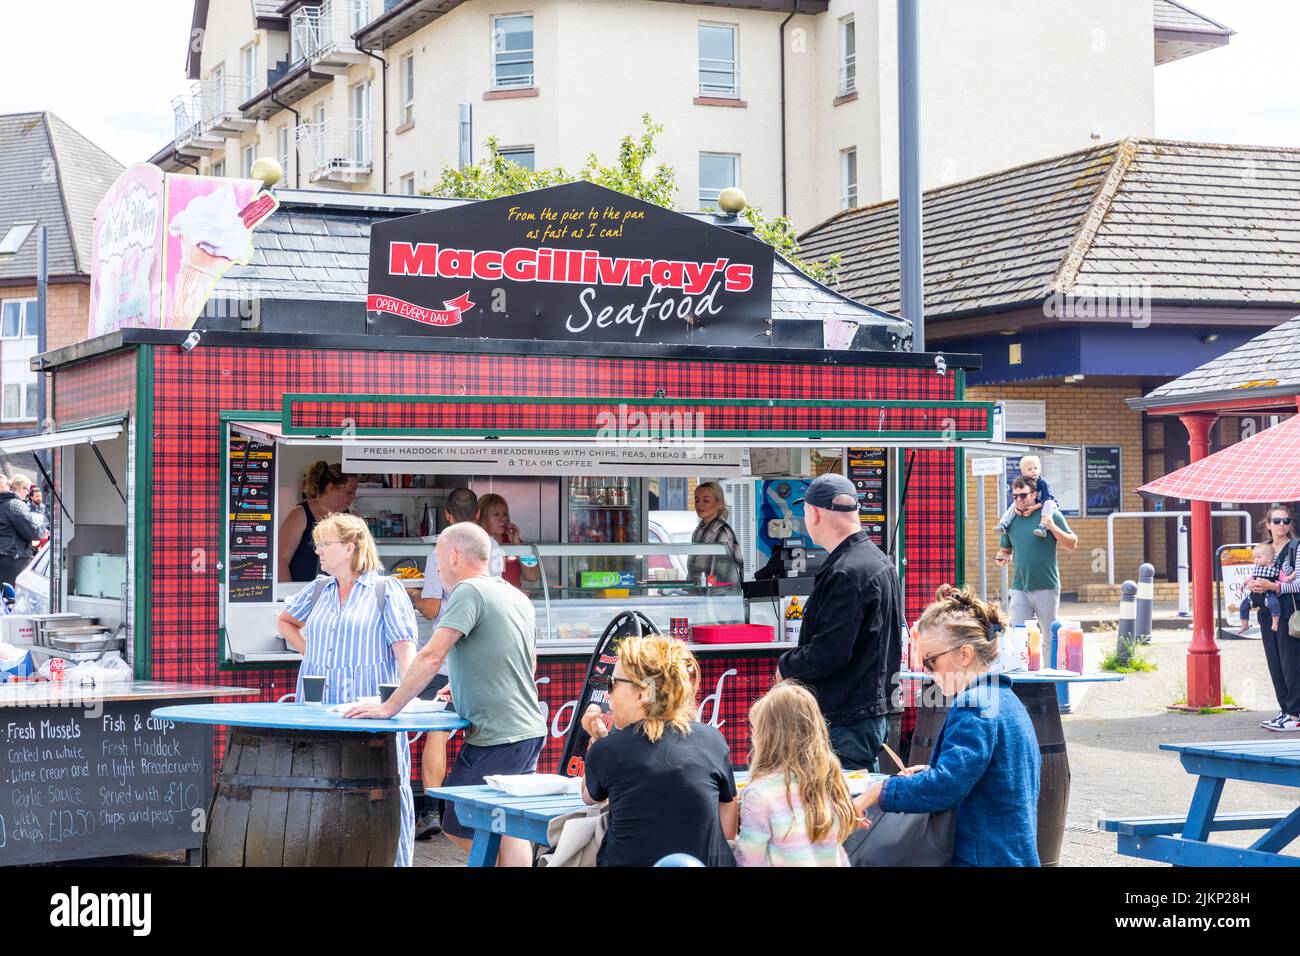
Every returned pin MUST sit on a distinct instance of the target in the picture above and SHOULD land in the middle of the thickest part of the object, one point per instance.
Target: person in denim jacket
(986, 760)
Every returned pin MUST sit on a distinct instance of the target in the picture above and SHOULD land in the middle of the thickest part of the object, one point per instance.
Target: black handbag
(903, 839)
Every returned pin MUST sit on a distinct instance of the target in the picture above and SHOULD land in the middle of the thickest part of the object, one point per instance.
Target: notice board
(1101, 480)
(250, 558)
(868, 469)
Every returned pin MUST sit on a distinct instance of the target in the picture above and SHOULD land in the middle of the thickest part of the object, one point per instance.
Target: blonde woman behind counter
(327, 491)
(343, 635)
(711, 508)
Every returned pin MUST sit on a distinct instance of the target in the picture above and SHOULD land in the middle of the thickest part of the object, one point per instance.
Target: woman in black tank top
(328, 491)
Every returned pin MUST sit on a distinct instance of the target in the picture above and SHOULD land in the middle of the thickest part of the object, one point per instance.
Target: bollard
(1127, 621)
(1145, 598)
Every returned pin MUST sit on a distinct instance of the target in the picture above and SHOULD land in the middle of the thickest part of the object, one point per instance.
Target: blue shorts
(475, 763)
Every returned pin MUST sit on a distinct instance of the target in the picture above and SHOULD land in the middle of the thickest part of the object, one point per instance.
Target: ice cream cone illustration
(198, 273)
(213, 232)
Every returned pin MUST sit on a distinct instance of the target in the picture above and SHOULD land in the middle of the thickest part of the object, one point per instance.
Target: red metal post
(1204, 683)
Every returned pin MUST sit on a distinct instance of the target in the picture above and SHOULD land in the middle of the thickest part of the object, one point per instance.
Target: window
(408, 88)
(848, 178)
(717, 172)
(248, 69)
(406, 184)
(360, 127)
(522, 155)
(718, 60)
(19, 402)
(219, 168)
(360, 14)
(512, 52)
(282, 148)
(246, 166)
(15, 237)
(18, 319)
(848, 57)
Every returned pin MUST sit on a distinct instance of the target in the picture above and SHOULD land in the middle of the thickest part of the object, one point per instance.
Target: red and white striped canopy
(1261, 469)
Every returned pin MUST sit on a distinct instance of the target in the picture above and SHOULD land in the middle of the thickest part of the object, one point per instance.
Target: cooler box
(733, 634)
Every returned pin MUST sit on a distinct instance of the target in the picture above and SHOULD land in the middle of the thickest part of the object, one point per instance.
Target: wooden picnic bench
(1184, 840)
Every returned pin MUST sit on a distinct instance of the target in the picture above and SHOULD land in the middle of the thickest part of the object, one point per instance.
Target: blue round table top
(294, 716)
(1035, 677)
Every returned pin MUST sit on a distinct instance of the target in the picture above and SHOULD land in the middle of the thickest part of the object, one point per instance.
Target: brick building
(1086, 280)
(51, 176)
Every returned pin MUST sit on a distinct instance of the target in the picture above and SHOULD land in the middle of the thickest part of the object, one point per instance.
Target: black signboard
(250, 520)
(1101, 480)
(576, 262)
(91, 781)
(869, 473)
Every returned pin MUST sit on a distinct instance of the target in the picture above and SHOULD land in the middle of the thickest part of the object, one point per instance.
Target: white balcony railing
(719, 78)
(849, 76)
(324, 33)
(187, 116)
(220, 99)
(338, 150)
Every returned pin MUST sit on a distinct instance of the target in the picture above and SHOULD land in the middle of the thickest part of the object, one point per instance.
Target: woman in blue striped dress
(344, 637)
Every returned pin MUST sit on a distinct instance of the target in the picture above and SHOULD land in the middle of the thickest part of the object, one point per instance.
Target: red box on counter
(733, 634)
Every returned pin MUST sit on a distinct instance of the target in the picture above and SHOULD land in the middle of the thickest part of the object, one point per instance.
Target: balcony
(219, 101)
(323, 35)
(190, 135)
(719, 79)
(336, 151)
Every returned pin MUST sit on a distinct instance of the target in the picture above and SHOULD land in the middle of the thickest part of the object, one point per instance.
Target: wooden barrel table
(290, 798)
(303, 786)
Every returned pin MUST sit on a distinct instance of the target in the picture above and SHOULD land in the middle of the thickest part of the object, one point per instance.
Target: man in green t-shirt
(487, 634)
(1036, 581)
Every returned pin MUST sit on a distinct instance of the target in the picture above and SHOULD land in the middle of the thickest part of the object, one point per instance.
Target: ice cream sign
(162, 242)
(573, 262)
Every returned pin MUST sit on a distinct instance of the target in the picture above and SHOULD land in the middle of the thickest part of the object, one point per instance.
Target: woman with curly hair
(986, 760)
(666, 776)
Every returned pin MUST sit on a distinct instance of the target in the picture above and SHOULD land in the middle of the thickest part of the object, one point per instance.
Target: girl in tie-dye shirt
(796, 809)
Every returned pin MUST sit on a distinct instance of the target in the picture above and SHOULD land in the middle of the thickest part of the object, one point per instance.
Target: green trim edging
(143, 576)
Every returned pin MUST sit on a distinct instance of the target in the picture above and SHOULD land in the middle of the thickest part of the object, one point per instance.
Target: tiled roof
(1266, 364)
(1170, 15)
(1190, 222)
(311, 249)
(52, 175)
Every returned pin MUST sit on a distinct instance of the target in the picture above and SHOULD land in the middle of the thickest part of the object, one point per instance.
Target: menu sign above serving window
(423, 458)
(576, 262)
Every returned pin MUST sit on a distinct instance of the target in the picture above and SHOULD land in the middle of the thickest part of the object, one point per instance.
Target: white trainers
(1273, 720)
(1287, 723)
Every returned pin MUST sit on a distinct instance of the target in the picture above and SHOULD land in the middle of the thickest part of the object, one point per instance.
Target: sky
(112, 76)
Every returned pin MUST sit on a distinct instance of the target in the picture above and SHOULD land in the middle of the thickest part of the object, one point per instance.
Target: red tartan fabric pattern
(616, 418)
(95, 388)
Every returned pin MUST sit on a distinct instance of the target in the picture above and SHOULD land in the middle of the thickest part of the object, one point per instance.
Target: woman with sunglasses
(667, 776)
(986, 761)
(1280, 649)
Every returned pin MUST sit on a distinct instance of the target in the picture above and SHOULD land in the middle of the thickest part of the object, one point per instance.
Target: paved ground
(1114, 734)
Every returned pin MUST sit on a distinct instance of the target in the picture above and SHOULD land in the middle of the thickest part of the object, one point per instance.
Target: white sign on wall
(426, 458)
(1061, 470)
(1024, 419)
(980, 467)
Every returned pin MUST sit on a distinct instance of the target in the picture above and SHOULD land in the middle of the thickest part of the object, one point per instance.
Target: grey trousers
(1044, 605)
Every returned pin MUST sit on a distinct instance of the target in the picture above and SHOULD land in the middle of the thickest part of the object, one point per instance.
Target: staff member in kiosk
(494, 518)
(851, 639)
(328, 491)
(711, 508)
(345, 636)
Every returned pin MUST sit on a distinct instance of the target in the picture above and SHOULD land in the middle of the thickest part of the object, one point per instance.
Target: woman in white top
(337, 625)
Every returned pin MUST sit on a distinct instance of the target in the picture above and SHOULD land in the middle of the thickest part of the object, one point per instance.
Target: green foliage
(494, 176)
(1138, 662)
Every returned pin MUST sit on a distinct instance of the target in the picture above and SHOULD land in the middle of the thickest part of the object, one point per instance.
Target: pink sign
(162, 242)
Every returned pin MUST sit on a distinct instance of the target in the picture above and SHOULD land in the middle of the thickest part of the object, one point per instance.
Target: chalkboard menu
(100, 780)
(1101, 480)
(868, 471)
(251, 510)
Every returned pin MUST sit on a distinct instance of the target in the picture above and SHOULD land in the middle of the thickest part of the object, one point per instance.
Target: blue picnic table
(492, 814)
(1184, 841)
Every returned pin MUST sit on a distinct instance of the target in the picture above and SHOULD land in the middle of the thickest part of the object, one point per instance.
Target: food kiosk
(499, 346)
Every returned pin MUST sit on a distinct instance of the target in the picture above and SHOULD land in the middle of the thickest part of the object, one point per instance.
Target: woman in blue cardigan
(986, 761)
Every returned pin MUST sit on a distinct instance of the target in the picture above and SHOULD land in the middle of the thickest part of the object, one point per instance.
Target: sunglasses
(1280, 520)
(619, 680)
(927, 662)
(1022, 494)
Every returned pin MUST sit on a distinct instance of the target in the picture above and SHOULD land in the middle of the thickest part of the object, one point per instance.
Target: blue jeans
(858, 743)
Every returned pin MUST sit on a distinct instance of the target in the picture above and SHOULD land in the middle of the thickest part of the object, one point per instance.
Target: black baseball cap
(823, 490)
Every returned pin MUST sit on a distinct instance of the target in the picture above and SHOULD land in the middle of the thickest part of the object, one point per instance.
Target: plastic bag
(108, 670)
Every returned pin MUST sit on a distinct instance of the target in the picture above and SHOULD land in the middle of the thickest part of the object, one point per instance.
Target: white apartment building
(795, 102)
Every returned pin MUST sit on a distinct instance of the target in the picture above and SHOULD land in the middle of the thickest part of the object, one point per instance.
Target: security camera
(191, 340)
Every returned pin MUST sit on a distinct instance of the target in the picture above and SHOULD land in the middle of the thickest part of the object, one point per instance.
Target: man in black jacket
(19, 527)
(851, 639)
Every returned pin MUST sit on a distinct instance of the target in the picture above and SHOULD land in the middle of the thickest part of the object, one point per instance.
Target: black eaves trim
(362, 343)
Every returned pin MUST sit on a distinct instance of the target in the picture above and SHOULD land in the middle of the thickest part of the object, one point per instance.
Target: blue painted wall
(1158, 351)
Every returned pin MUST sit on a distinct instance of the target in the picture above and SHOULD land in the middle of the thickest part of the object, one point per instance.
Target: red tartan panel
(930, 527)
(616, 418)
(96, 388)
